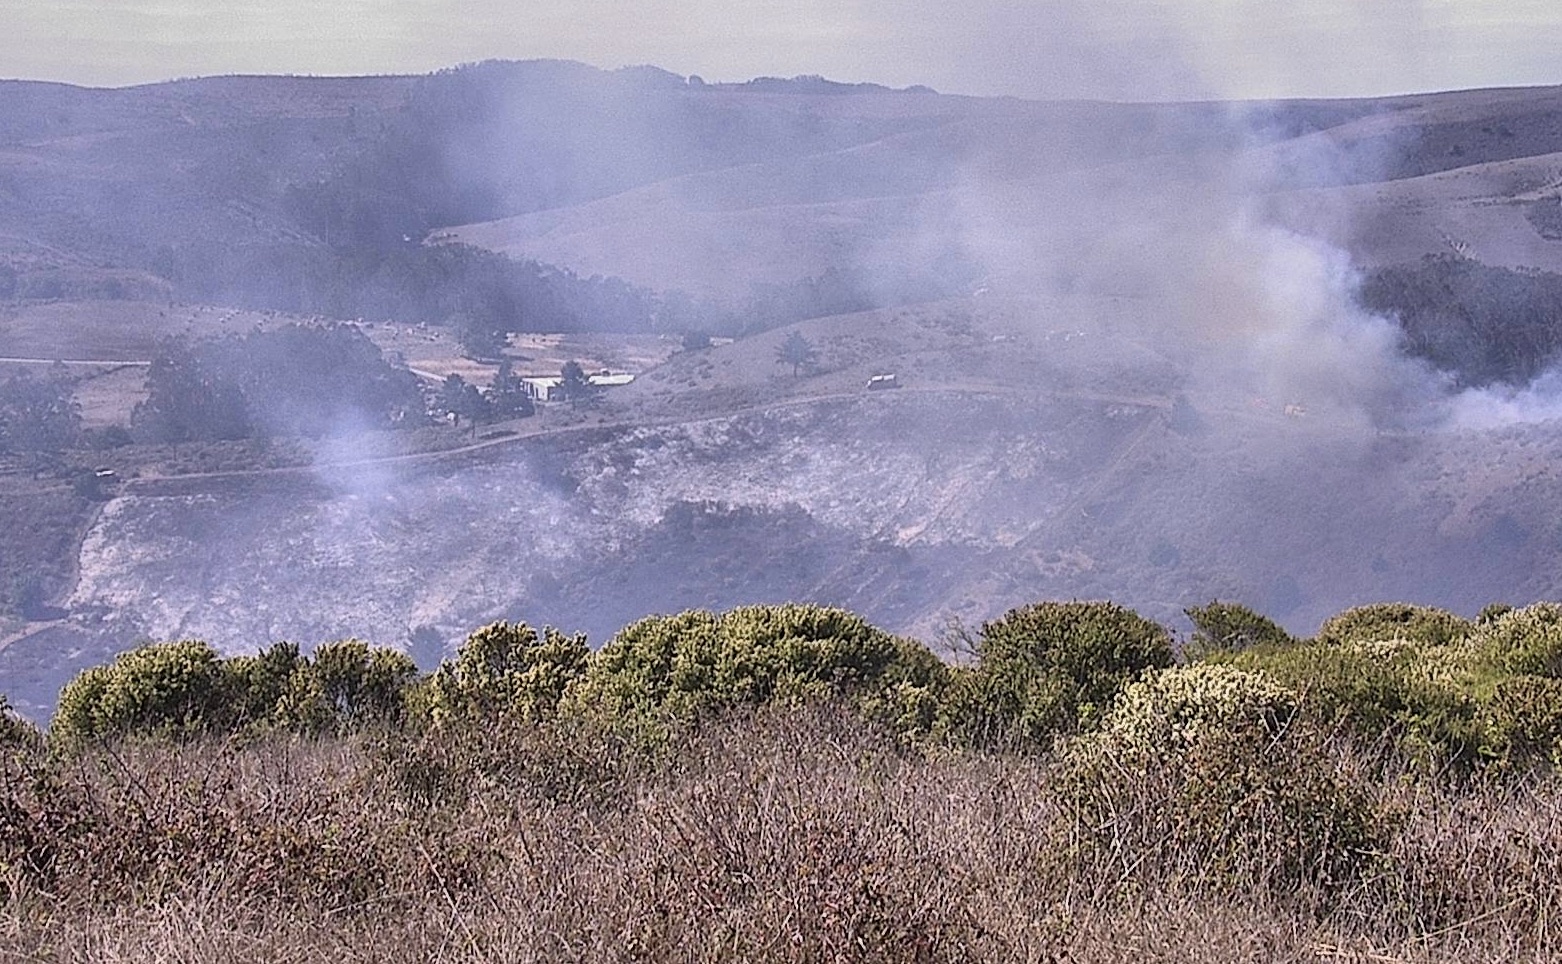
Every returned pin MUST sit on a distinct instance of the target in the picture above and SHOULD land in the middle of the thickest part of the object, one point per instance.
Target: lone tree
(479, 337)
(463, 400)
(507, 395)
(574, 385)
(796, 351)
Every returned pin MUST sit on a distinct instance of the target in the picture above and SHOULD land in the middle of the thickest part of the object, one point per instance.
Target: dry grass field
(790, 836)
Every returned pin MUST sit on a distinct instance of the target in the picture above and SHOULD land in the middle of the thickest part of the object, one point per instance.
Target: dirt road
(526, 430)
(117, 362)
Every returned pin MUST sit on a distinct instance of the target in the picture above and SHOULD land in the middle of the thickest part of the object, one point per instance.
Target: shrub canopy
(167, 688)
(1054, 667)
(184, 688)
(1232, 627)
(508, 669)
(1380, 622)
(1526, 641)
(697, 661)
(1209, 769)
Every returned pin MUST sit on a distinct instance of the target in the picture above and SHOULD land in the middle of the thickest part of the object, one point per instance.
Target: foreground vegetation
(789, 782)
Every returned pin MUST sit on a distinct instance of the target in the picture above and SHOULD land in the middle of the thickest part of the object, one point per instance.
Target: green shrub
(1387, 621)
(1208, 773)
(1053, 668)
(1434, 687)
(259, 686)
(679, 667)
(168, 689)
(346, 685)
(506, 669)
(182, 689)
(1525, 641)
(1177, 710)
(1414, 696)
(1232, 627)
(79, 709)
(15, 732)
(908, 694)
(1523, 720)
(1491, 612)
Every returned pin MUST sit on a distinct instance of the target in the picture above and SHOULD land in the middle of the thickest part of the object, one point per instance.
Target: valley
(1131, 355)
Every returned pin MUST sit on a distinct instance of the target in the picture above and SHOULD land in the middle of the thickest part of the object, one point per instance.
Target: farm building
(549, 388)
(542, 388)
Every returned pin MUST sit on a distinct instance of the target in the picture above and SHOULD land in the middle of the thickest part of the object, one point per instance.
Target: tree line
(303, 380)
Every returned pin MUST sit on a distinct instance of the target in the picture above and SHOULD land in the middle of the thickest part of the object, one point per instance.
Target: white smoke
(1500, 406)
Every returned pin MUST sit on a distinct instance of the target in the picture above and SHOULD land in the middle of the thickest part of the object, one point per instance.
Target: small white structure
(881, 382)
(543, 388)
(550, 388)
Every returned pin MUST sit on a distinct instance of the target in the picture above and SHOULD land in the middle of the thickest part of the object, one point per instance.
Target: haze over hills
(1157, 353)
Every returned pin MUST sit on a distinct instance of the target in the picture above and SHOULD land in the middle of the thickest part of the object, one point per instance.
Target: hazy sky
(1035, 48)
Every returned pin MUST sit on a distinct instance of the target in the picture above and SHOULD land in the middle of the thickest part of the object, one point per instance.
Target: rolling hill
(1133, 340)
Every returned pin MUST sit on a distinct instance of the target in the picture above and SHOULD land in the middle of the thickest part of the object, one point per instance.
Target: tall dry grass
(798, 835)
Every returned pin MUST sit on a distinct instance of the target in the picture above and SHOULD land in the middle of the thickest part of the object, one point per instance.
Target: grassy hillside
(253, 188)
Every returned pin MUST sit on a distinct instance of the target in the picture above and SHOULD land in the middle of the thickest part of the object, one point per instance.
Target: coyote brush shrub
(172, 689)
(1525, 641)
(507, 669)
(346, 685)
(1179, 709)
(1054, 667)
(261, 687)
(15, 732)
(1416, 695)
(1208, 772)
(1385, 621)
(678, 667)
(182, 689)
(1231, 627)
(1523, 721)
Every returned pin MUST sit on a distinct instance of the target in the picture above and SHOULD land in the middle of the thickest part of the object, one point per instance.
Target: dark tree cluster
(38, 414)
(494, 139)
(798, 352)
(1479, 323)
(295, 380)
(575, 385)
(1545, 216)
(505, 397)
(477, 292)
(483, 296)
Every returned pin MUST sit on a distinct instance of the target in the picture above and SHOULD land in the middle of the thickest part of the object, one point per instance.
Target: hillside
(1389, 180)
(1134, 347)
(719, 479)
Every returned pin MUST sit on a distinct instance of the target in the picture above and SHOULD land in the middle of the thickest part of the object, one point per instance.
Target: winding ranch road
(143, 483)
(146, 485)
